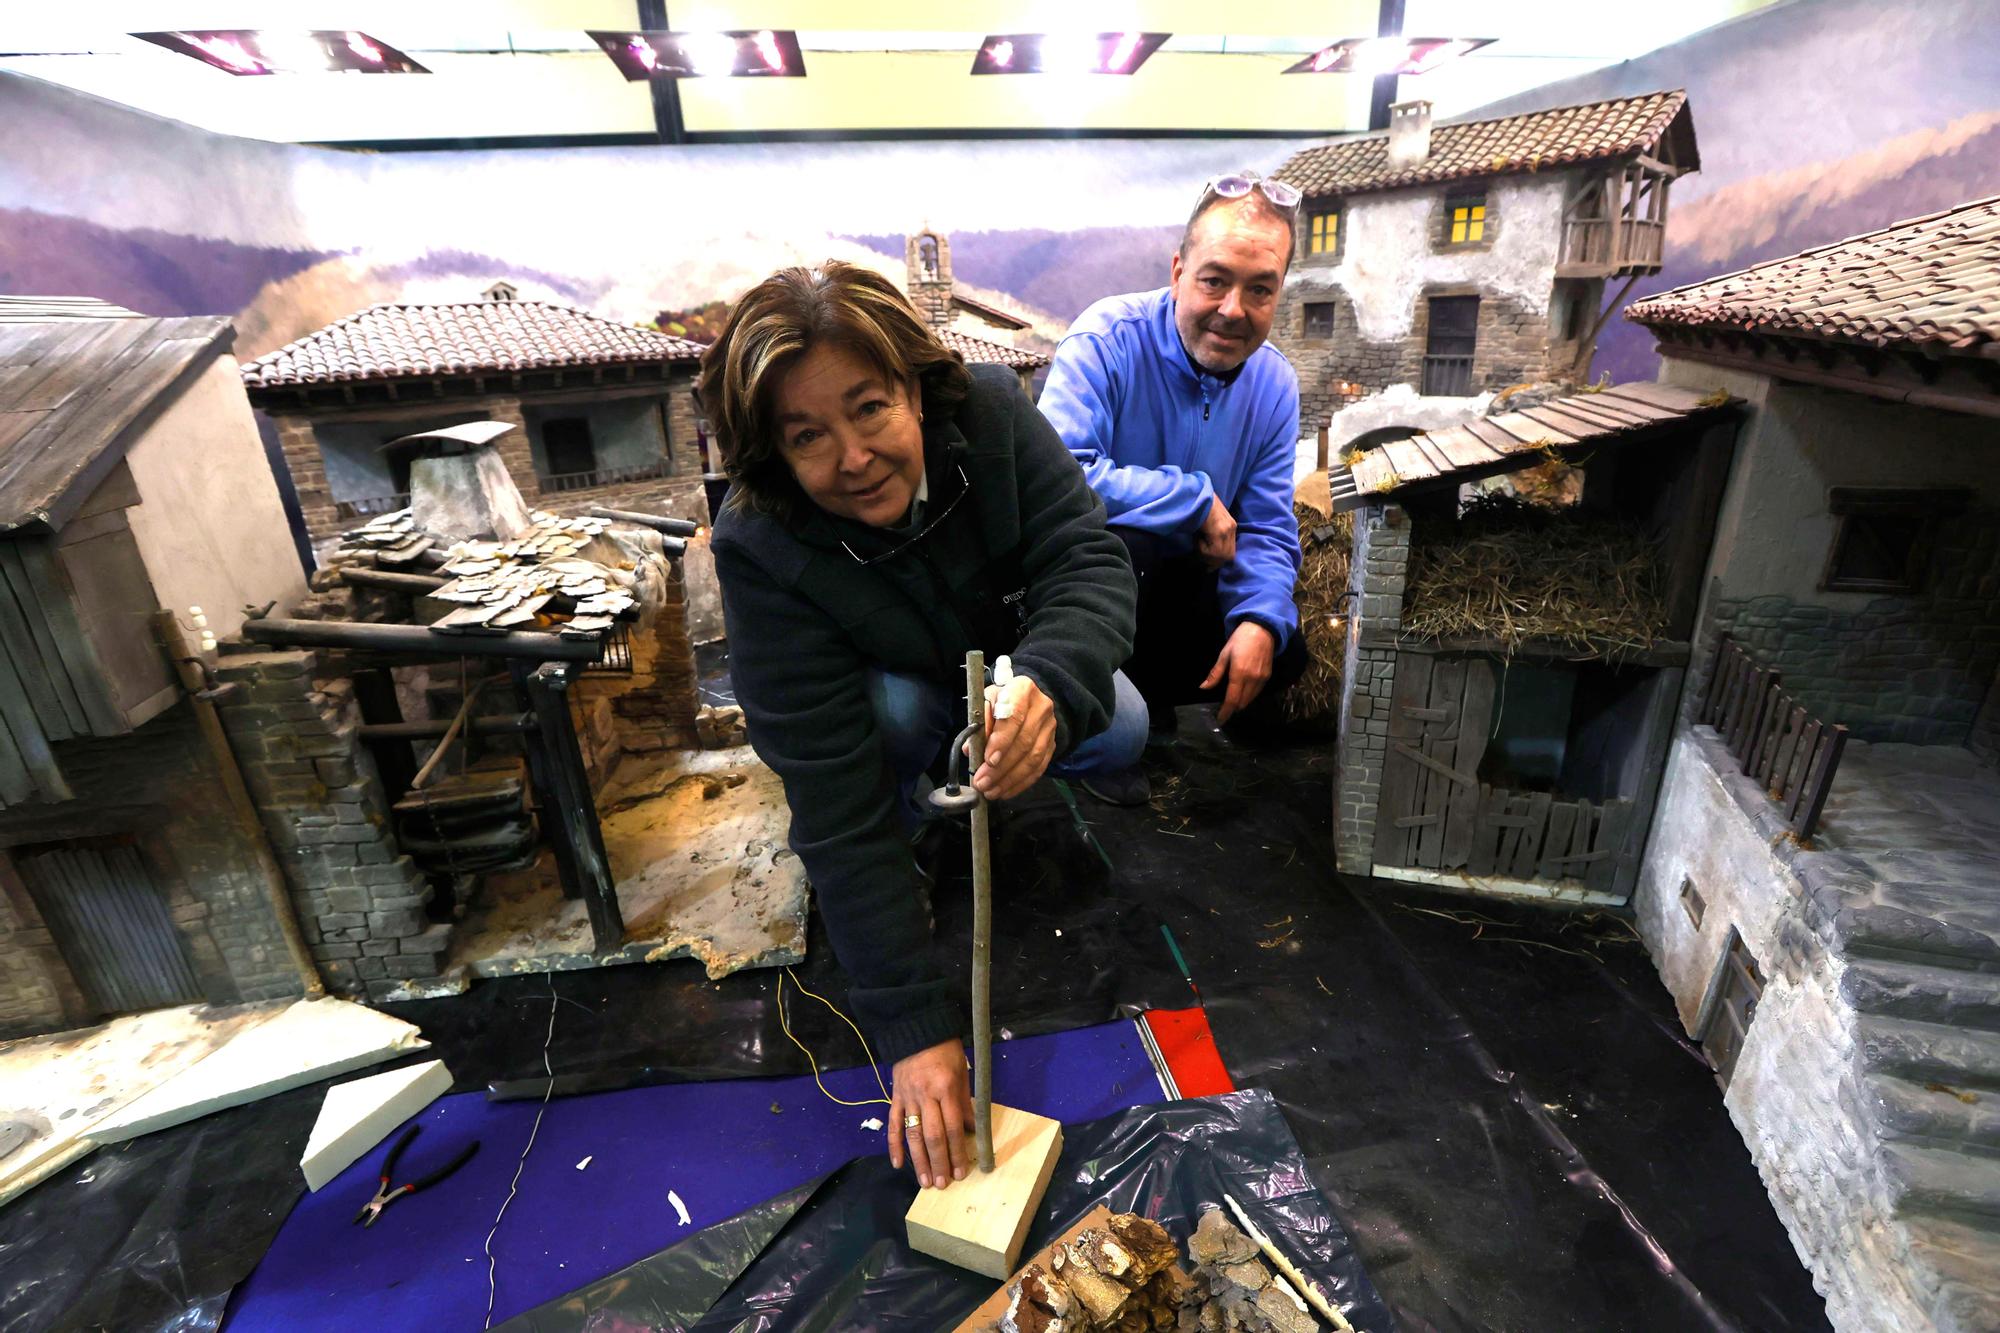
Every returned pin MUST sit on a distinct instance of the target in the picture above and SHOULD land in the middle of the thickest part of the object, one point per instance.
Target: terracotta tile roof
(461, 338)
(1514, 439)
(979, 352)
(1563, 136)
(1931, 282)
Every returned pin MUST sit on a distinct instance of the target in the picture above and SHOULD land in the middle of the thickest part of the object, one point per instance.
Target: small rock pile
(1122, 1279)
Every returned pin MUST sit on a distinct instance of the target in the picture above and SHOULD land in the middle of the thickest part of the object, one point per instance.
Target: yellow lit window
(1325, 237)
(1468, 222)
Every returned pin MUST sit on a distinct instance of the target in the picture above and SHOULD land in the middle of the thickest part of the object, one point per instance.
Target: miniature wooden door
(1440, 716)
(110, 922)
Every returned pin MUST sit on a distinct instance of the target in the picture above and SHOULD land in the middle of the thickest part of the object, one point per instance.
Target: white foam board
(312, 1040)
(358, 1115)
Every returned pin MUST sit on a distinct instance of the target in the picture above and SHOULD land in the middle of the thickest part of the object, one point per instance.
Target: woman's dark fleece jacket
(1021, 565)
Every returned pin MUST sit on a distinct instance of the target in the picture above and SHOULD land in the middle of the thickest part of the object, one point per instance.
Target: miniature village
(1605, 934)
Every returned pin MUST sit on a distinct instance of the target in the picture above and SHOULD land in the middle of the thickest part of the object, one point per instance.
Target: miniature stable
(1515, 654)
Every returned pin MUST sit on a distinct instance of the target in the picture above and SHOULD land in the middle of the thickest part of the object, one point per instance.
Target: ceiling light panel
(752, 53)
(246, 51)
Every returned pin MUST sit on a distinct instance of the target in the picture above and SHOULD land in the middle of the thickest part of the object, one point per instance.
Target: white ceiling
(523, 69)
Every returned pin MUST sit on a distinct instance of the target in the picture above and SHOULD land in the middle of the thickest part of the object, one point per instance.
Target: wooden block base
(981, 1222)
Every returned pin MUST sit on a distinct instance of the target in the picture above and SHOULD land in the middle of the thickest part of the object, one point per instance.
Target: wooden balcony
(1610, 247)
(559, 482)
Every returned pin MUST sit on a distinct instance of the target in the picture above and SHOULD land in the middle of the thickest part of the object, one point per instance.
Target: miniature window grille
(616, 659)
(1323, 236)
(1882, 541)
(1319, 319)
(1739, 984)
(1449, 345)
(1468, 220)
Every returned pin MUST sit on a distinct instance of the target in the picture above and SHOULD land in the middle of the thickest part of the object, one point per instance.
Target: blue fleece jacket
(1159, 440)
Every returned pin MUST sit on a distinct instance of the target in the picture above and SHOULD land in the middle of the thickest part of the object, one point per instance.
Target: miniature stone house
(1524, 765)
(1464, 258)
(134, 491)
(1846, 984)
(981, 333)
(604, 411)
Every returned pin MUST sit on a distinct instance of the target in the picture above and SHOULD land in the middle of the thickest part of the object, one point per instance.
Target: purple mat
(720, 1146)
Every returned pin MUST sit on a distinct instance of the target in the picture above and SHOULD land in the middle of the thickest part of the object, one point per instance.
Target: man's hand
(1216, 542)
(1020, 745)
(932, 1085)
(1245, 665)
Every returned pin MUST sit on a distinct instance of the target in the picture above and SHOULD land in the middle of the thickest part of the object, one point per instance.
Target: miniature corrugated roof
(1931, 282)
(1510, 441)
(70, 389)
(979, 352)
(395, 341)
(1562, 136)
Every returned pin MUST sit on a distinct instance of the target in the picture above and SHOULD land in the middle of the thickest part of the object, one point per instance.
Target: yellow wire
(883, 1100)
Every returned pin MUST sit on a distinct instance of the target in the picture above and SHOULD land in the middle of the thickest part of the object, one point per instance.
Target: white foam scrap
(680, 1208)
(585, 1162)
(871, 1123)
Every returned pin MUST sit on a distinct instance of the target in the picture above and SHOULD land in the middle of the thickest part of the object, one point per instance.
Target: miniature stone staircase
(1928, 1046)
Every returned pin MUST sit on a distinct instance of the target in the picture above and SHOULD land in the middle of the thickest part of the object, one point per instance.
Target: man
(1186, 424)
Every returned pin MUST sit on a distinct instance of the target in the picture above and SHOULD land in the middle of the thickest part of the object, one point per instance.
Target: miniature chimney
(1409, 133)
(459, 485)
(502, 290)
(928, 256)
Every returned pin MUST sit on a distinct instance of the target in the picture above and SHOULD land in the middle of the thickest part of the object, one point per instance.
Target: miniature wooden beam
(527, 645)
(661, 523)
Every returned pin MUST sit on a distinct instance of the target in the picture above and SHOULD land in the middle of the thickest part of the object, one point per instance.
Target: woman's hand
(933, 1086)
(1020, 745)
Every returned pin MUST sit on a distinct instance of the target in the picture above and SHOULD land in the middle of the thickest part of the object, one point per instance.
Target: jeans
(917, 718)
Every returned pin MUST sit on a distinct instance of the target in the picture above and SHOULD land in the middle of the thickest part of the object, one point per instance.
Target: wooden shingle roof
(1563, 136)
(1510, 441)
(70, 389)
(1931, 283)
(414, 342)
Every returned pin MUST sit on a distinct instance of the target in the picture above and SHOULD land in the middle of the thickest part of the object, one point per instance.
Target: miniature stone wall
(360, 901)
(654, 708)
(1913, 669)
(158, 787)
(1985, 738)
(1797, 1095)
(1377, 575)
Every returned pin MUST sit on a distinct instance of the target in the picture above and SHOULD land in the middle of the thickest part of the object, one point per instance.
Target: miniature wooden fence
(1791, 754)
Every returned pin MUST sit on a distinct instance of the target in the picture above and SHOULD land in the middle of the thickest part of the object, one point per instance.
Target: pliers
(373, 1208)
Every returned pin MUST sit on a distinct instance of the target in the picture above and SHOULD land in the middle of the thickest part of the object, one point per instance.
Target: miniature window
(1468, 220)
(1738, 986)
(1323, 232)
(567, 444)
(1319, 319)
(1693, 903)
(1882, 539)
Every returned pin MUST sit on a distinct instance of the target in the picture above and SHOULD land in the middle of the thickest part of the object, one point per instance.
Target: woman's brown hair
(781, 319)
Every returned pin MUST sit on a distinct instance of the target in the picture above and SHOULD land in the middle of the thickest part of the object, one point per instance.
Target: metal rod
(982, 919)
(528, 645)
(359, 576)
(425, 731)
(671, 527)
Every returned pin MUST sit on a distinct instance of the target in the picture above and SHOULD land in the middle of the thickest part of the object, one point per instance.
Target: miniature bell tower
(928, 254)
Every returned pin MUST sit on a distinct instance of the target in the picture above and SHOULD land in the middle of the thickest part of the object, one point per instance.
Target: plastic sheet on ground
(841, 1261)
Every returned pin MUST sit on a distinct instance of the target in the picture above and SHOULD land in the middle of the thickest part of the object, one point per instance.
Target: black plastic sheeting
(153, 1233)
(841, 1262)
(1498, 1101)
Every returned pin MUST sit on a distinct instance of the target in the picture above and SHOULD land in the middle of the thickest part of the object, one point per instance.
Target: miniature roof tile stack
(979, 352)
(543, 579)
(394, 341)
(1564, 136)
(1931, 283)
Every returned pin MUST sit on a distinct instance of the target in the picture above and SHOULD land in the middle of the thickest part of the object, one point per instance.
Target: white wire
(521, 1165)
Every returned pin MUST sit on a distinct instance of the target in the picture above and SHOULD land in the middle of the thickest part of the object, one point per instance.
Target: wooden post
(982, 918)
(570, 817)
(237, 792)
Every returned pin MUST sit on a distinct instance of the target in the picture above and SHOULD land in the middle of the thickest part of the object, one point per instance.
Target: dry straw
(1514, 571)
(1315, 696)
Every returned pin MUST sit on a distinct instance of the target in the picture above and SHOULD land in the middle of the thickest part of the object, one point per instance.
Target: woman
(889, 511)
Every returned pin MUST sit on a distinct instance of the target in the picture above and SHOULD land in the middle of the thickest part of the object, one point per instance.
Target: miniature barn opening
(1277, 672)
